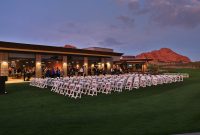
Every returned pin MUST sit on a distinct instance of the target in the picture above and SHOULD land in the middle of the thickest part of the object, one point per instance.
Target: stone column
(3, 64)
(38, 66)
(65, 66)
(109, 63)
(145, 67)
(86, 65)
(103, 63)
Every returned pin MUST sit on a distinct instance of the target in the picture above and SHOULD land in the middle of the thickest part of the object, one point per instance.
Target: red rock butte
(165, 55)
(70, 46)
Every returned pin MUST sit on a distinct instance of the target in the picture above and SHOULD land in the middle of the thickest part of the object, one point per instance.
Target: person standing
(58, 72)
(53, 73)
(28, 74)
(25, 72)
(81, 71)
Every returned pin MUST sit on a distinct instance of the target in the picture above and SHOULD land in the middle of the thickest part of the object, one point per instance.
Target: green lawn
(166, 109)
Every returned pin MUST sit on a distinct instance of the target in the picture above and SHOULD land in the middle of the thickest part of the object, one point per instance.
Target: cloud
(109, 41)
(132, 4)
(126, 19)
(184, 13)
(68, 27)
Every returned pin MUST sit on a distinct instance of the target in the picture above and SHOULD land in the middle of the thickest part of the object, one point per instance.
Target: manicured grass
(166, 109)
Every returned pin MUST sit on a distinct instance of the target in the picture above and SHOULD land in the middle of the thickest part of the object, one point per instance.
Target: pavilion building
(18, 56)
(130, 63)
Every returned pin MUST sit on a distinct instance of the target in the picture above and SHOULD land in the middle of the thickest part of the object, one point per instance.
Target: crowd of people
(80, 71)
(73, 71)
(52, 72)
(26, 72)
(116, 71)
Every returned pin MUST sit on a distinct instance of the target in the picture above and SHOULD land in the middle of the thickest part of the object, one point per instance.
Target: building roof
(131, 60)
(99, 49)
(127, 57)
(22, 47)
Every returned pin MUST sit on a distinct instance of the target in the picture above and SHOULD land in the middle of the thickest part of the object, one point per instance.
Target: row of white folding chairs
(149, 80)
(39, 82)
(185, 75)
(91, 85)
(142, 80)
(156, 80)
(74, 90)
(88, 87)
(43, 83)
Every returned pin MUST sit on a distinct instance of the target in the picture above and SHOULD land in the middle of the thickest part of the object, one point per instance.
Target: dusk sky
(128, 26)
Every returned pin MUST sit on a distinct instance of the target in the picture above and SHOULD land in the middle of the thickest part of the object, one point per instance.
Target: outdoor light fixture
(4, 63)
(64, 64)
(38, 63)
(108, 63)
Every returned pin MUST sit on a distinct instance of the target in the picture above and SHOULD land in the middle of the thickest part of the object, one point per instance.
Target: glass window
(21, 65)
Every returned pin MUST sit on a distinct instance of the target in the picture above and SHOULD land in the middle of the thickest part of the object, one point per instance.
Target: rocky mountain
(165, 55)
(70, 46)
